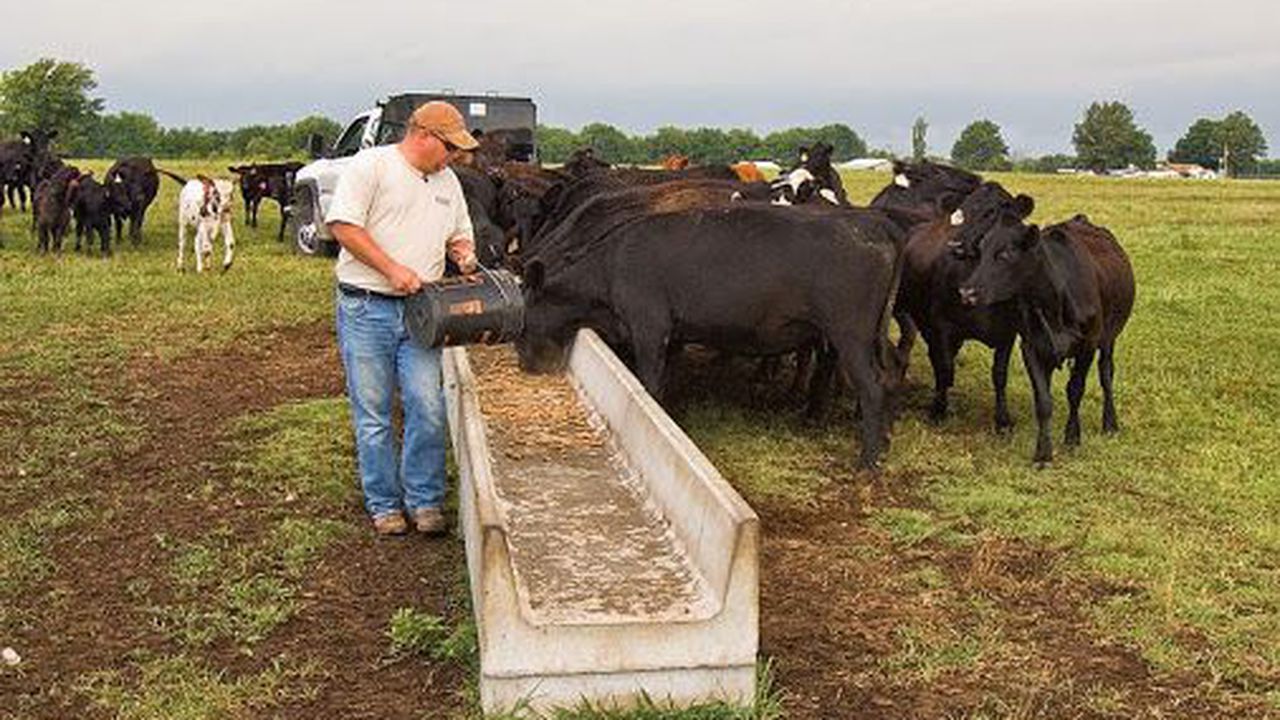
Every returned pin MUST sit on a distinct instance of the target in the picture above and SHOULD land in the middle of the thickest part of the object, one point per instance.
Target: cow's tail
(180, 180)
(892, 367)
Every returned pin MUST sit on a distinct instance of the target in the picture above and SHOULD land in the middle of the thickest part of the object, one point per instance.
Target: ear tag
(957, 218)
(902, 181)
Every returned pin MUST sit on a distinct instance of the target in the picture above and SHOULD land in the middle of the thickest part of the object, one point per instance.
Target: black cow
(584, 161)
(481, 193)
(746, 278)
(1074, 289)
(19, 161)
(51, 207)
(92, 210)
(933, 270)
(132, 184)
(273, 181)
(816, 161)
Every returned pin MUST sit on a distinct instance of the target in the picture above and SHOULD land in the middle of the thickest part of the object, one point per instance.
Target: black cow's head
(1008, 254)
(971, 216)
(921, 188)
(543, 346)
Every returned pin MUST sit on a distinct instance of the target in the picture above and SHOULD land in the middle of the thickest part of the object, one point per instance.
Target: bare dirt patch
(861, 628)
(95, 612)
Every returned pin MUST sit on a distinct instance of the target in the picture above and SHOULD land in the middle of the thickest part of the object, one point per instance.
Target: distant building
(874, 164)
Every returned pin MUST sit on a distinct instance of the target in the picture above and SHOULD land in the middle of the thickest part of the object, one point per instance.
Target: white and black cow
(205, 204)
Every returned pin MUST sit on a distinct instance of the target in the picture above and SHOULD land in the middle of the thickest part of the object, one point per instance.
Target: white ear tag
(902, 181)
(957, 217)
(829, 195)
(736, 196)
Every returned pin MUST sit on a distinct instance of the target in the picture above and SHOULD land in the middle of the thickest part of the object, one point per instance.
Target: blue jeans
(380, 357)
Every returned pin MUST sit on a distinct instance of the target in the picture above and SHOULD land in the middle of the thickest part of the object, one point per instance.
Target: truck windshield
(349, 143)
(390, 131)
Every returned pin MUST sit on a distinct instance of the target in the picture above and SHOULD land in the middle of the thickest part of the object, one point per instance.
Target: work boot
(430, 521)
(391, 523)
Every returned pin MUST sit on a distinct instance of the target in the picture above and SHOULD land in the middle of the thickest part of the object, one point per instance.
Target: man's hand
(462, 251)
(403, 279)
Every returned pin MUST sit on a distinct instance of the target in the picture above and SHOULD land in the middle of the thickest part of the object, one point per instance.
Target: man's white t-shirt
(411, 216)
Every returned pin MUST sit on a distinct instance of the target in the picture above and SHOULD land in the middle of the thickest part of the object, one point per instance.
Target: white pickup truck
(512, 118)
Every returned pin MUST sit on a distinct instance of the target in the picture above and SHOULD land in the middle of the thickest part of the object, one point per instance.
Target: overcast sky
(1032, 66)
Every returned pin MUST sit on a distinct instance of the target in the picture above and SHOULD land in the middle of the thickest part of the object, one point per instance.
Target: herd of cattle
(717, 256)
(60, 193)
(657, 259)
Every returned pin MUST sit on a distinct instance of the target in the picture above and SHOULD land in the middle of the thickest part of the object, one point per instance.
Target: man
(398, 211)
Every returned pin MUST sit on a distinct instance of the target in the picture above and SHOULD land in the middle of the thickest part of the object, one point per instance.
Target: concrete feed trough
(627, 567)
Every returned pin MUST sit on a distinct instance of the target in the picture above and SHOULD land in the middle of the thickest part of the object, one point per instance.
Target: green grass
(240, 589)
(183, 688)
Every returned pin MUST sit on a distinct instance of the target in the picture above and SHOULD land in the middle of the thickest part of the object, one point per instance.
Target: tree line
(58, 95)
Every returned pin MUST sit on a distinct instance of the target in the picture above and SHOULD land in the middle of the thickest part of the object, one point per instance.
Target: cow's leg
(1075, 391)
(907, 333)
(1041, 375)
(650, 345)
(284, 219)
(1106, 372)
(942, 356)
(104, 235)
(230, 241)
(135, 226)
(859, 361)
(1000, 381)
(80, 228)
(182, 240)
(117, 221)
(820, 386)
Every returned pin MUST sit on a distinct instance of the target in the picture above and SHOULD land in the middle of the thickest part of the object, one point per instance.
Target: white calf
(206, 205)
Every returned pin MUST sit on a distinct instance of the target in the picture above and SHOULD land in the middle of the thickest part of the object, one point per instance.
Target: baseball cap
(443, 119)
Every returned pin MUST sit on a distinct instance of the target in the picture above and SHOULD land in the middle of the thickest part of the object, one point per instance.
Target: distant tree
(845, 142)
(120, 135)
(1236, 137)
(666, 141)
(1268, 168)
(919, 146)
(301, 131)
(710, 146)
(555, 144)
(743, 144)
(51, 95)
(981, 147)
(1108, 138)
(610, 144)
(782, 146)
(1202, 144)
(1244, 142)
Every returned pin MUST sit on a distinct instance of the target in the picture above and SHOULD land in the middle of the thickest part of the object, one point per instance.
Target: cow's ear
(26, 136)
(1029, 237)
(535, 274)
(51, 135)
(1023, 206)
(949, 202)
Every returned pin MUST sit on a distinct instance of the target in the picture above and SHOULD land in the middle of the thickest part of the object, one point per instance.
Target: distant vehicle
(513, 118)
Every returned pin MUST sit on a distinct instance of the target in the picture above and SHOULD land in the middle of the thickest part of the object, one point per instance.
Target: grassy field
(183, 539)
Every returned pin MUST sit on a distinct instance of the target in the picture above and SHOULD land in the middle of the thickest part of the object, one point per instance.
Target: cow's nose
(969, 295)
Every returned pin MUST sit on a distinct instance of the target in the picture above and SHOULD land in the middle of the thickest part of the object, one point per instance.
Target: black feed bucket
(485, 309)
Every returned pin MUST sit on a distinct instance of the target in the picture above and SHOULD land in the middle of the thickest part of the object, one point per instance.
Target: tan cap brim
(462, 139)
